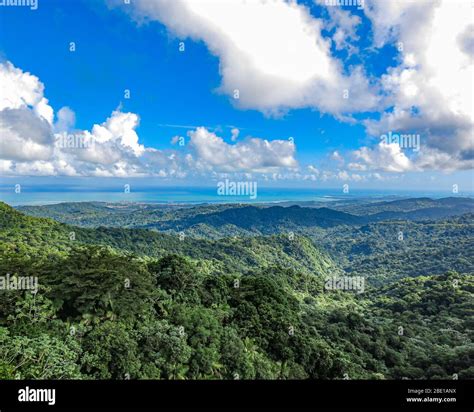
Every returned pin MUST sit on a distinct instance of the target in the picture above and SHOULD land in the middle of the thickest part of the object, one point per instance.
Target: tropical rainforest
(142, 291)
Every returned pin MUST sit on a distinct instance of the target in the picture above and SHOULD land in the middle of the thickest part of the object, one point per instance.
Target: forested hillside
(383, 240)
(137, 304)
(234, 254)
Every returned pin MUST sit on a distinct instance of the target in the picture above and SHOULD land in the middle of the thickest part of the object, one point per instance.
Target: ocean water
(33, 195)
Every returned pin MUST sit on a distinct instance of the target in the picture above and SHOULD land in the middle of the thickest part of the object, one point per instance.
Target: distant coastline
(198, 195)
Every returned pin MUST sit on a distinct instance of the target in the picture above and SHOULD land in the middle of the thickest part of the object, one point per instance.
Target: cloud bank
(36, 141)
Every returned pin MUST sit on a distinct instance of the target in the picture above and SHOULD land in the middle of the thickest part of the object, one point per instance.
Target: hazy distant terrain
(163, 216)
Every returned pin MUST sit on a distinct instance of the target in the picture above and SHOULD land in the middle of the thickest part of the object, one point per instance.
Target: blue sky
(174, 92)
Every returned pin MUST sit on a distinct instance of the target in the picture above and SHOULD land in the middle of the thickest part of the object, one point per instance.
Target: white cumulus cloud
(432, 88)
(32, 144)
(251, 154)
(271, 53)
